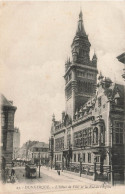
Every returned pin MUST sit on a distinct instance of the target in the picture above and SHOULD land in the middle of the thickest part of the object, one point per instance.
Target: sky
(35, 41)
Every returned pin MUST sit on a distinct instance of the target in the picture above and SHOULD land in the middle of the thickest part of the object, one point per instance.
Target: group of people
(8, 176)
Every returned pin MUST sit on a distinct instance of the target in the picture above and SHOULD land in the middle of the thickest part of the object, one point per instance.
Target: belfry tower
(80, 73)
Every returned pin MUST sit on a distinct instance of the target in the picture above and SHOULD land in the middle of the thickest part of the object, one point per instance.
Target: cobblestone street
(51, 176)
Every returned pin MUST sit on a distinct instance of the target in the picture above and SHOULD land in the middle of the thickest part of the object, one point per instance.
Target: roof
(80, 28)
(121, 58)
(40, 145)
(4, 101)
(117, 88)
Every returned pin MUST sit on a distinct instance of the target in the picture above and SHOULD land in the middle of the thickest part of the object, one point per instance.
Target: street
(51, 177)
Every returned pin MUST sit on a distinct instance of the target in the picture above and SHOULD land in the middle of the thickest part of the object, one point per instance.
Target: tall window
(74, 157)
(118, 132)
(83, 157)
(3, 120)
(89, 136)
(78, 157)
(78, 139)
(85, 137)
(98, 159)
(68, 140)
(95, 136)
(59, 144)
(102, 135)
(89, 157)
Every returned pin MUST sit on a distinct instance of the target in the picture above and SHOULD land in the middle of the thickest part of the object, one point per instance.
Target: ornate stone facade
(80, 74)
(93, 124)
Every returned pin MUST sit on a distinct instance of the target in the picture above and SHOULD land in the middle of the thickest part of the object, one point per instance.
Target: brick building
(91, 133)
(7, 130)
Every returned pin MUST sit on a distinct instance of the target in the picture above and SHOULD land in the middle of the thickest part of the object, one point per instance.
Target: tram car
(31, 171)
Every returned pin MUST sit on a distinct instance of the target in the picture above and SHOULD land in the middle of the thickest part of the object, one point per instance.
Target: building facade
(16, 143)
(121, 59)
(23, 152)
(91, 134)
(39, 153)
(7, 131)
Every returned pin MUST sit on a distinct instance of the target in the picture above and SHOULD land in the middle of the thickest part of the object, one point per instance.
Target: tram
(31, 171)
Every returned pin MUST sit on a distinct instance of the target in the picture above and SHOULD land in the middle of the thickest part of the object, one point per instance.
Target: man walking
(12, 172)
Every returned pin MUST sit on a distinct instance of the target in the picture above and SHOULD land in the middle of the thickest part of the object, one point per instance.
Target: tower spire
(81, 45)
(80, 28)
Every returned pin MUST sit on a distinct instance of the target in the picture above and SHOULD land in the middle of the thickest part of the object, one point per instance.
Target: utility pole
(111, 157)
(39, 164)
(80, 166)
(62, 162)
(94, 168)
(55, 162)
(51, 161)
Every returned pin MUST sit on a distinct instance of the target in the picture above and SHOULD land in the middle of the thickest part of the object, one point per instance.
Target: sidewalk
(71, 175)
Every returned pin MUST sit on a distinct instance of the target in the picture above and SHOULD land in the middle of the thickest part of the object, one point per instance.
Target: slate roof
(4, 101)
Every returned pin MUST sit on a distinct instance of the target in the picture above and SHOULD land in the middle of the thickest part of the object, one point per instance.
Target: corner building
(7, 131)
(90, 136)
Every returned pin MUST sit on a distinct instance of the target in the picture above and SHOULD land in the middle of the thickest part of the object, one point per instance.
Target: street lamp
(80, 166)
(55, 162)
(62, 162)
(95, 168)
(111, 156)
(39, 164)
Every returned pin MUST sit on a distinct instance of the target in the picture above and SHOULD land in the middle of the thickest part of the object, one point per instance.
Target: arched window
(95, 135)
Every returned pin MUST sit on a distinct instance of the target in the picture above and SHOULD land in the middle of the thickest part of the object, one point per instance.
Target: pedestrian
(12, 172)
(13, 180)
(58, 171)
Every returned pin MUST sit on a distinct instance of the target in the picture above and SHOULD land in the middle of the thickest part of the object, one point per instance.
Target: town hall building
(90, 137)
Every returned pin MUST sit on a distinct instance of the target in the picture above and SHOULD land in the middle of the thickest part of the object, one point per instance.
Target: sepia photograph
(62, 96)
